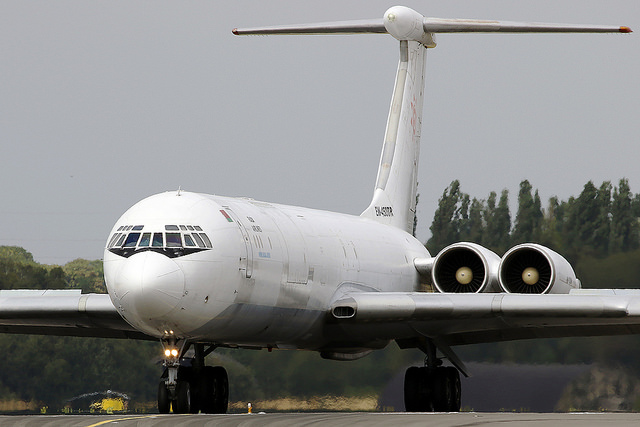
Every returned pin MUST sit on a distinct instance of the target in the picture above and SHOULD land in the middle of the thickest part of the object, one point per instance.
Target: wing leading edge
(456, 319)
(63, 312)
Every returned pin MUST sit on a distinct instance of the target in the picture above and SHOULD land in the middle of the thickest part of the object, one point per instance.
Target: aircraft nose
(150, 285)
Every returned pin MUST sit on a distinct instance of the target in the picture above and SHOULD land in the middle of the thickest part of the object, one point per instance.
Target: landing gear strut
(432, 388)
(191, 389)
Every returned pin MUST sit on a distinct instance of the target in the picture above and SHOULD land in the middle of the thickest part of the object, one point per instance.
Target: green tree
(444, 228)
(85, 275)
(497, 221)
(602, 226)
(552, 225)
(624, 224)
(587, 226)
(473, 228)
(528, 223)
(16, 254)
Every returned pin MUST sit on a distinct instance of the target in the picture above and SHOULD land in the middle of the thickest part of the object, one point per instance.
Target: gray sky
(103, 103)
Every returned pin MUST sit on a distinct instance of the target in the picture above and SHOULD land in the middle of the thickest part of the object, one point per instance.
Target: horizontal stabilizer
(407, 24)
(366, 26)
(437, 25)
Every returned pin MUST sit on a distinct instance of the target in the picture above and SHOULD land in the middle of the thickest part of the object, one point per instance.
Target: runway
(334, 419)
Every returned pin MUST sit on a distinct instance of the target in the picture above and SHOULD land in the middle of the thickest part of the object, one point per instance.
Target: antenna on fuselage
(394, 198)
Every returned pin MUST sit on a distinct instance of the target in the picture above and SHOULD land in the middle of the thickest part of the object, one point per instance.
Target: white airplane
(197, 272)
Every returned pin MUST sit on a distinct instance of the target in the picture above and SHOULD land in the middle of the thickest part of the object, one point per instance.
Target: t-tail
(394, 197)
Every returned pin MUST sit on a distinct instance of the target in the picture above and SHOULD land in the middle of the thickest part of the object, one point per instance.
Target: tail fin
(394, 197)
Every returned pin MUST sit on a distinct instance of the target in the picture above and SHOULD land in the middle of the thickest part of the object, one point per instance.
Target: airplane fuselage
(240, 272)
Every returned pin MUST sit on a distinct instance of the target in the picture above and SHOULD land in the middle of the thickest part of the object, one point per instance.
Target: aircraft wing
(456, 319)
(63, 312)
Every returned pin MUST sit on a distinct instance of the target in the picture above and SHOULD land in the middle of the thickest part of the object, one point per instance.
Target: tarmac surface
(332, 419)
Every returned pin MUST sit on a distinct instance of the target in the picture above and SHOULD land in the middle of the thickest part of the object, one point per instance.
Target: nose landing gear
(191, 389)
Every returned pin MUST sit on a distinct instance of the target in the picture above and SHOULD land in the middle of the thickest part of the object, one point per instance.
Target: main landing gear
(432, 388)
(192, 389)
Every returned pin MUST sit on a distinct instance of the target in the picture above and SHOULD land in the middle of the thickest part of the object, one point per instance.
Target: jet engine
(534, 269)
(466, 267)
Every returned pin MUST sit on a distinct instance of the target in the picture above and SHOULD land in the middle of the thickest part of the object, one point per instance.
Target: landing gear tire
(441, 389)
(164, 403)
(432, 389)
(188, 375)
(453, 376)
(182, 404)
(207, 391)
(417, 396)
(221, 390)
(213, 390)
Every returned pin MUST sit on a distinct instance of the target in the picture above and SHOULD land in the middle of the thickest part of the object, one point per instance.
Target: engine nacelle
(466, 267)
(534, 269)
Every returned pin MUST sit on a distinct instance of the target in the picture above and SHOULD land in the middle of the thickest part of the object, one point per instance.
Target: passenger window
(183, 227)
(207, 242)
(158, 241)
(138, 228)
(132, 239)
(197, 227)
(198, 240)
(190, 227)
(173, 240)
(144, 241)
(171, 227)
(188, 241)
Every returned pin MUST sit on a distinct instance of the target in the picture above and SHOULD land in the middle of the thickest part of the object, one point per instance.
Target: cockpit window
(132, 239)
(121, 240)
(207, 242)
(158, 241)
(198, 240)
(144, 240)
(188, 241)
(113, 240)
(182, 240)
(173, 240)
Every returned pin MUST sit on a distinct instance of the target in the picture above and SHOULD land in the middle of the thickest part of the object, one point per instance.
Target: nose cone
(149, 285)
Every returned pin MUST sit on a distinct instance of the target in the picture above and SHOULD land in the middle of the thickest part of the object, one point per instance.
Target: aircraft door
(297, 269)
(246, 262)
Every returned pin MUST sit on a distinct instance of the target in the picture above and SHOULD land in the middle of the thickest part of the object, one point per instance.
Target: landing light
(171, 352)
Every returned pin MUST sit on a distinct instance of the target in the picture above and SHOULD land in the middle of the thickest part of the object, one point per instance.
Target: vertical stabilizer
(394, 198)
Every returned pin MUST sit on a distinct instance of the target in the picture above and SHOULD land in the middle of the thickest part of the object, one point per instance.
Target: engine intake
(466, 268)
(534, 269)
